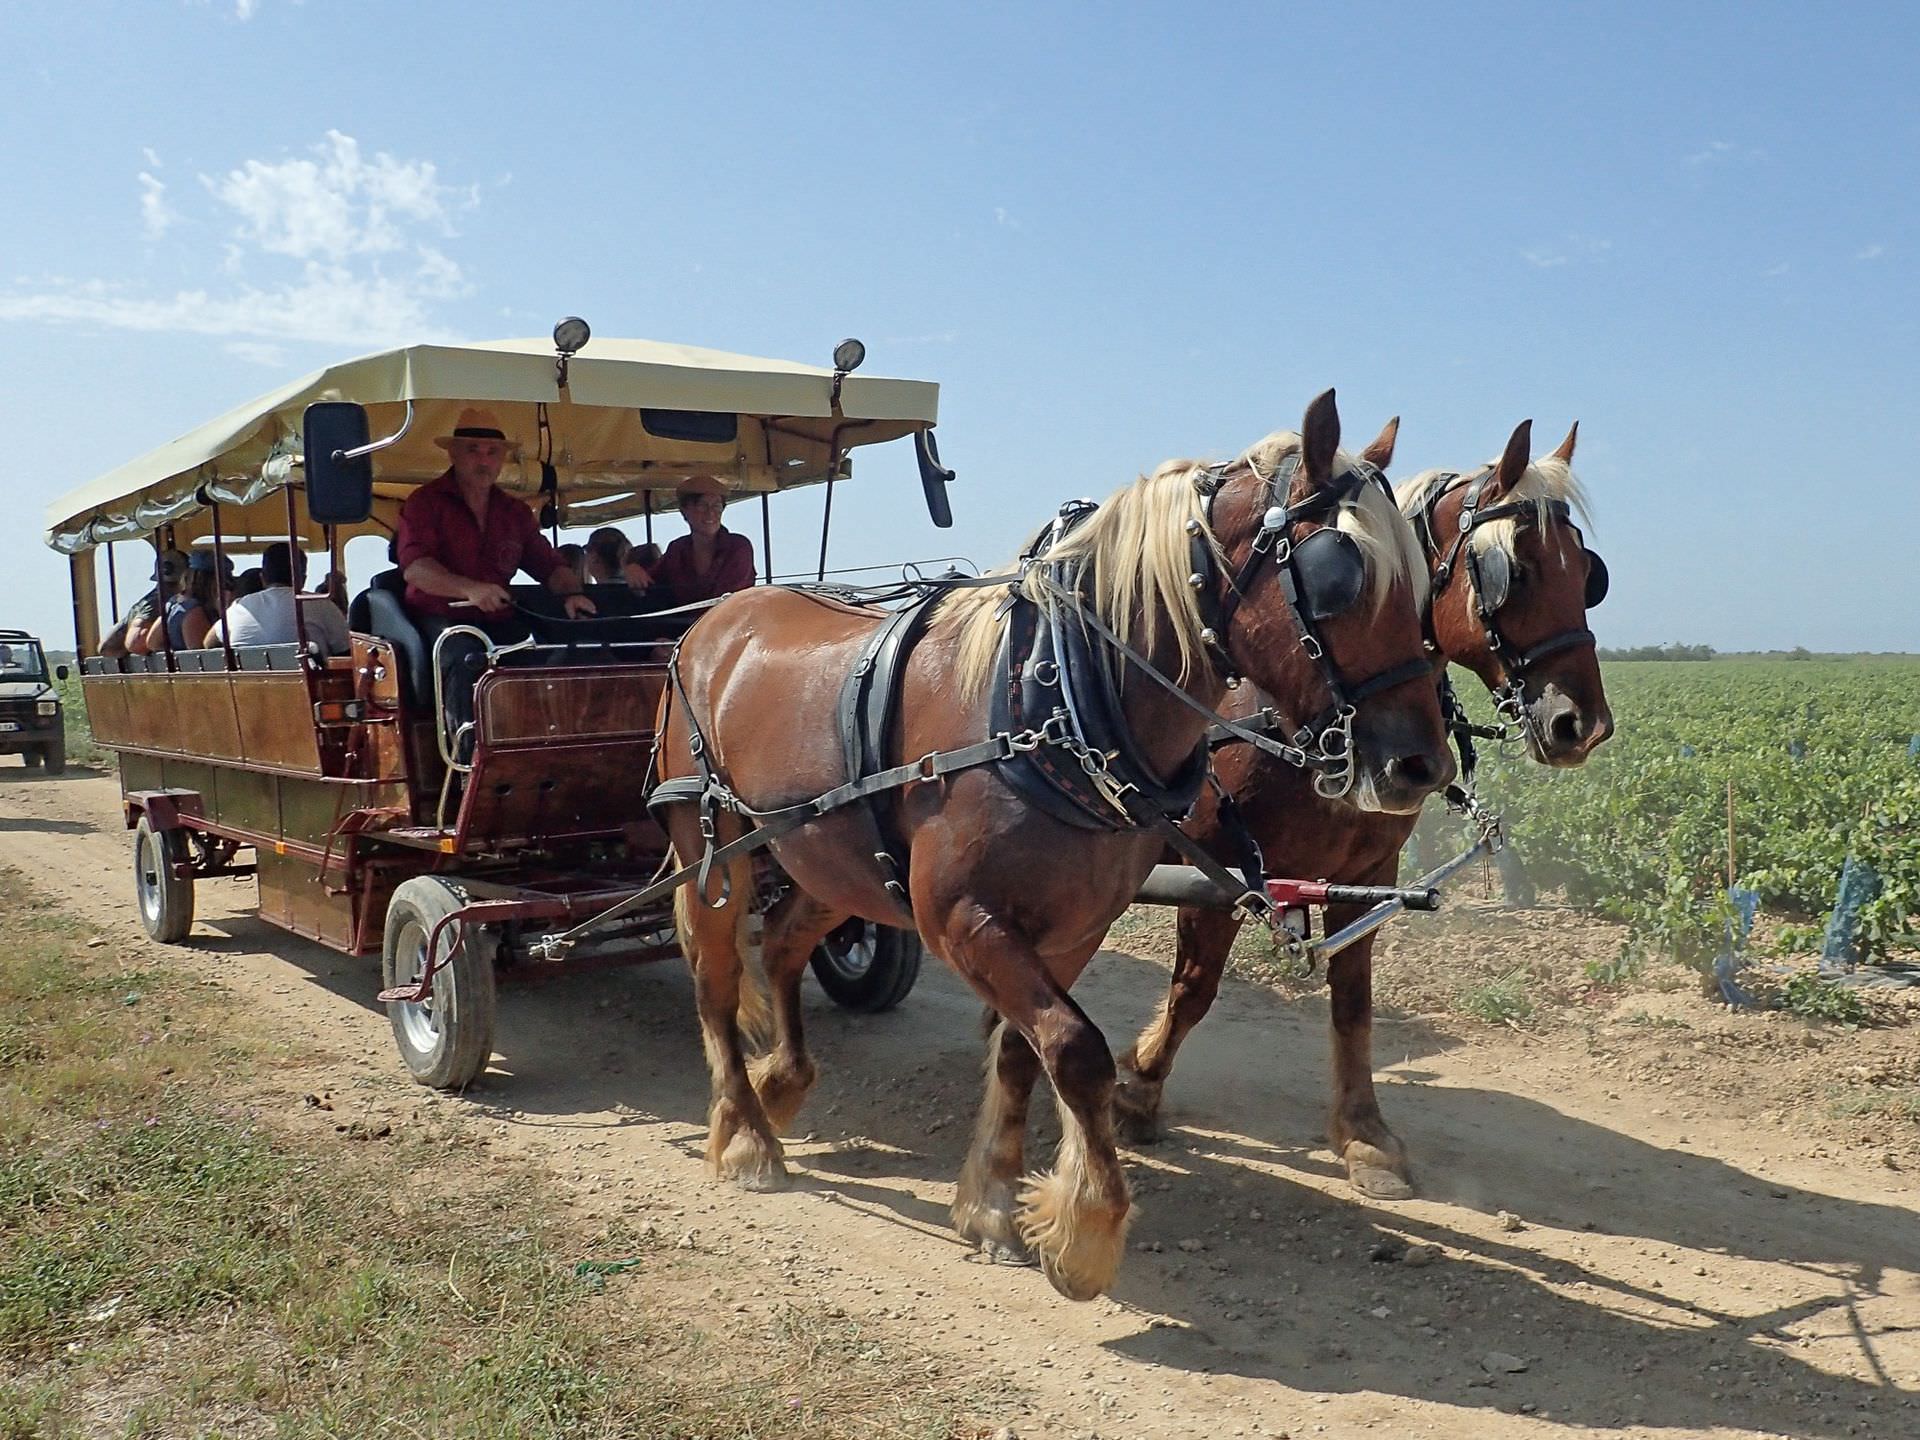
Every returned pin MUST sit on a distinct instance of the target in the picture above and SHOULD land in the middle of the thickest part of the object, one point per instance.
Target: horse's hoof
(1068, 1283)
(748, 1164)
(1377, 1173)
(1136, 1114)
(994, 1253)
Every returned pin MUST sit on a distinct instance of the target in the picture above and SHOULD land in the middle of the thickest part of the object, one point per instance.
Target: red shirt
(732, 568)
(435, 524)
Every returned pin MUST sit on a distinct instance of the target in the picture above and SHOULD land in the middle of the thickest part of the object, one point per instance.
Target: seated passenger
(129, 637)
(267, 618)
(460, 542)
(574, 557)
(607, 550)
(192, 609)
(705, 564)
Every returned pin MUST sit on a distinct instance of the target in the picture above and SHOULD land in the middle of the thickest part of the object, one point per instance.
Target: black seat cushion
(381, 610)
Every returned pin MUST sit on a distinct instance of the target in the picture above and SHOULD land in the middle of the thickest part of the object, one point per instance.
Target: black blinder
(1332, 573)
(1493, 577)
(1596, 579)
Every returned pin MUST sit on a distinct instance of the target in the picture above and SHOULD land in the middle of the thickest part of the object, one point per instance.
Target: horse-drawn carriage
(332, 779)
(996, 763)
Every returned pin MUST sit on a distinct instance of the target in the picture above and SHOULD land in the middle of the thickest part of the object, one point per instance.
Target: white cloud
(1775, 271)
(1591, 249)
(1715, 150)
(156, 216)
(245, 9)
(333, 205)
(1870, 252)
(332, 247)
(1002, 218)
(151, 156)
(258, 351)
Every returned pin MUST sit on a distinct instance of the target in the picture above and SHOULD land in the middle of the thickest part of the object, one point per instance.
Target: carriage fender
(164, 809)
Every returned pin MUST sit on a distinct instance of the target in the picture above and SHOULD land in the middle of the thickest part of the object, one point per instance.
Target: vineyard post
(1730, 865)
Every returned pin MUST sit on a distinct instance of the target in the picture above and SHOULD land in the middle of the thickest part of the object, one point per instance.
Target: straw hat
(699, 485)
(473, 424)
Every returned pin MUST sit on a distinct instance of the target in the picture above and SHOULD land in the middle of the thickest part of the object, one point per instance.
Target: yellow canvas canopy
(635, 418)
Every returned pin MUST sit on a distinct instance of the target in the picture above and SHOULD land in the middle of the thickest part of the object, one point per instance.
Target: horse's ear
(1514, 461)
(1319, 441)
(1380, 453)
(1565, 453)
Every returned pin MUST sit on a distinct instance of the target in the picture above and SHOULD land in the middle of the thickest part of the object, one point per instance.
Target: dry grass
(169, 1265)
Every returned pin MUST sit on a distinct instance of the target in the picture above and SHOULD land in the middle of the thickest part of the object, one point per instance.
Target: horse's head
(1322, 587)
(1512, 583)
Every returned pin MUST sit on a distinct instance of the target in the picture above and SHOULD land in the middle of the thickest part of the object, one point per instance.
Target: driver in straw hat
(461, 541)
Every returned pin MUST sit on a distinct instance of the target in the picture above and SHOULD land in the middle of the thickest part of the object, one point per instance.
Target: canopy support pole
(86, 603)
(113, 585)
(766, 541)
(220, 583)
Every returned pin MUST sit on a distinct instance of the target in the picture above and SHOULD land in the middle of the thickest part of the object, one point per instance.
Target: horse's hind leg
(1206, 936)
(783, 1076)
(985, 1202)
(740, 1140)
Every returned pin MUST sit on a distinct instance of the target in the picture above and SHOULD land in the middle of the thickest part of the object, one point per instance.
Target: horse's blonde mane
(1135, 546)
(1544, 481)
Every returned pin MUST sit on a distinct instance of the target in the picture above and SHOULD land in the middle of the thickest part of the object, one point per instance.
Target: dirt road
(1678, 1268)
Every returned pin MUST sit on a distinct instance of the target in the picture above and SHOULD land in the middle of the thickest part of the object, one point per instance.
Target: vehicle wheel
(29, 758)
(53, 755)
(446, 1039)
(867, 967)
(166, 899)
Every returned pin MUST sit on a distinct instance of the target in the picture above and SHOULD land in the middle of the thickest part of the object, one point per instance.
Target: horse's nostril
(1417, 771)
(1564, 730)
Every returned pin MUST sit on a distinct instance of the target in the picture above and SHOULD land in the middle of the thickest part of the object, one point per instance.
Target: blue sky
(1113, 235)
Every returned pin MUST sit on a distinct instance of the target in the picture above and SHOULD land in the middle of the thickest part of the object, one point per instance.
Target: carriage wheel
(166, 899)
(866, 967)
(446, 1039)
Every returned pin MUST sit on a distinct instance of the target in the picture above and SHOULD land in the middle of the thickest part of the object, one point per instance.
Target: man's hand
(577, 606)
(637, 576)
(490, 598)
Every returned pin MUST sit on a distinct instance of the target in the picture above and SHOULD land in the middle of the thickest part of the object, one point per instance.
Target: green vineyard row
(1817, 755)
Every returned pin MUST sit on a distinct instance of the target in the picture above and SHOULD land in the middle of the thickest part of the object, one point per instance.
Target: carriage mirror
(934, 478)
(339, 462)
(60, 672)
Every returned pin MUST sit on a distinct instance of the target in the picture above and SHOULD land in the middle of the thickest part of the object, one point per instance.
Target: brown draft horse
(1014, 899)
(1565, 719)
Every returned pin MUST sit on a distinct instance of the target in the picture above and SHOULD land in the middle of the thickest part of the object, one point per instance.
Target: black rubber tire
(447, 1040)
(165, 900)
(53, 755)
(30, 758)
(867, 968)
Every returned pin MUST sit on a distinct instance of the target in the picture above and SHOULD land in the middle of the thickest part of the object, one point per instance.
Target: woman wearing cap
(192, 609)
(129, 637)
(707, 562)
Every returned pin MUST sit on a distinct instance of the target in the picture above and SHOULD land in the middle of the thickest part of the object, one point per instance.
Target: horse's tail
(752, 1011)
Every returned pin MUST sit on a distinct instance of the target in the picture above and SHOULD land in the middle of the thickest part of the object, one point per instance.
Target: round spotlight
(571, 335)
(848, 356)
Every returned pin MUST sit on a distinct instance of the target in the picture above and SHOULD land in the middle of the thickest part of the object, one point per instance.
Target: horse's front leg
(1206, 937)
(986, 1201)
(1376, 1161)
(1074, 1216)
